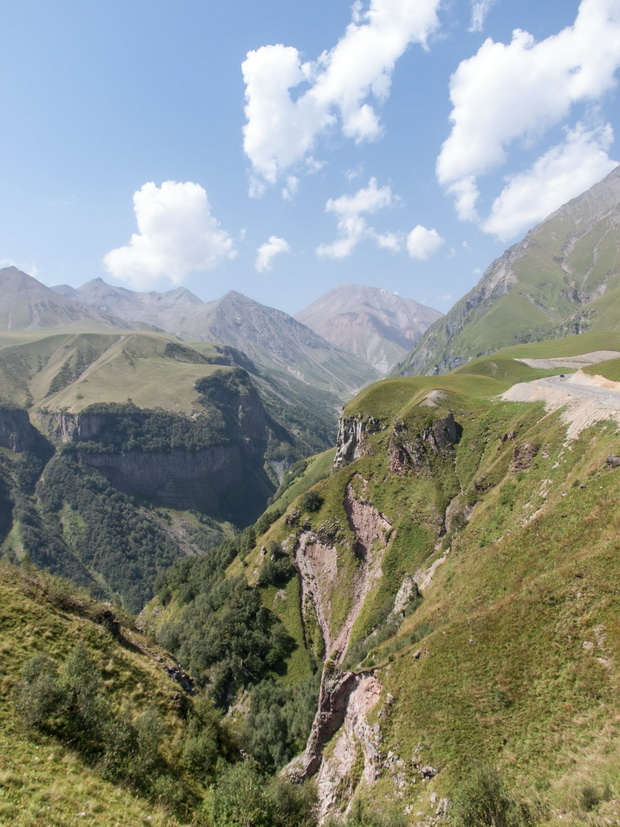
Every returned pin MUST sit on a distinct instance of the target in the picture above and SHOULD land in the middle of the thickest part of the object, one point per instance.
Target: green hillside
(98, 723)
(562, 279)
(470, 556)
(147, 449)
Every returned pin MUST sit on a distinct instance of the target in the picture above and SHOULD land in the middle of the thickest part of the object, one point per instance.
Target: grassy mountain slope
(153, 450)
(44, 779)
(505, 652)
(562, 279)
(98, 724)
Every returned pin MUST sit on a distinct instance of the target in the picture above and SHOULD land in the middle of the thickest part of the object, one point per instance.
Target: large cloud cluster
(332, 92)
(177, 234)
(516, 92)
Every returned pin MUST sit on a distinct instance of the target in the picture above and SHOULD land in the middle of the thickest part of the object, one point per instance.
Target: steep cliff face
(226, 482)
(16, 432)
(352, 437)
(213, 461)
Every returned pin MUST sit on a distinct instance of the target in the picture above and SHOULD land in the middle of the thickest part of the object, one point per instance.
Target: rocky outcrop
(62, 426)
(317, 561)
(523, 455)
(356, 755)
(345, 697)
(415, 451)
(336, 689)
(16, 432)
(345, 701)
(351, 440)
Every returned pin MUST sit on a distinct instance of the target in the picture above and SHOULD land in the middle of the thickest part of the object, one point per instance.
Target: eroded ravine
(317, 562)
(345, 698)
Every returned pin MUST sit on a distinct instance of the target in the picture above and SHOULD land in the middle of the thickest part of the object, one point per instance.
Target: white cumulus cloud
(339, 90)
(266, 253)
(177, 234)
(352, 226)
(560, 174)
(506, 93)
(422, 243)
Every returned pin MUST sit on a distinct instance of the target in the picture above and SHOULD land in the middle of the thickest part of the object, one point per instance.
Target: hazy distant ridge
(376, 325)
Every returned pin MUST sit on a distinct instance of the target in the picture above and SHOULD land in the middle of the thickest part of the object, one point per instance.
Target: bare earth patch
(575, 362)
(317, 562)
(585, 399)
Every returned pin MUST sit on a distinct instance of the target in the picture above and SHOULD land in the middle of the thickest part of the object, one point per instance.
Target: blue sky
(280, 148)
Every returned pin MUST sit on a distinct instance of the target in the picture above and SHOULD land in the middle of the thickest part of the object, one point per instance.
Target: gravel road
(585, 399)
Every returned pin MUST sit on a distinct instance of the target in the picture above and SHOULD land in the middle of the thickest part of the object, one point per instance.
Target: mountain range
(412, 623)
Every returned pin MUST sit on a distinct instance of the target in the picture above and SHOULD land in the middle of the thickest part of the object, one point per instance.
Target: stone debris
(181, 678)
(522, 456)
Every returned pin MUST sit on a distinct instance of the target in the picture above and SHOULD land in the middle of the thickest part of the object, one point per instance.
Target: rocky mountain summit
(29, 305)
(376, 325)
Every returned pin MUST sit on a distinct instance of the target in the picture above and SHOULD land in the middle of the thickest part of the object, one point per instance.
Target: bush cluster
(70, 703)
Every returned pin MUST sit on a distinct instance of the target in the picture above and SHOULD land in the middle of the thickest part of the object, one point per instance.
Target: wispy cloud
(479, 12)
(352, 226)
(266, 253)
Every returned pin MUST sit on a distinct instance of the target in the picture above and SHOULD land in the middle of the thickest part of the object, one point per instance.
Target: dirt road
(585, 399)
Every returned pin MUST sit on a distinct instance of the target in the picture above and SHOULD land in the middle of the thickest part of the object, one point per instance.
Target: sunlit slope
(511, 533)
(72, 371)
(562, 279)
(44, 780)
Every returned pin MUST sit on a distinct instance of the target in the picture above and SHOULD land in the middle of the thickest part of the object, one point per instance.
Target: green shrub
(589, 798)
(291, 805)
(362, 815)
(277, 569)
(240, 798)
(38, 699)
(311, 501)
(483, 800)
(243, 797)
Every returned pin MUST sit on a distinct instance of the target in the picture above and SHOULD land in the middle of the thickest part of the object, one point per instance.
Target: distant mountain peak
(29, 305)
(371, 322)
